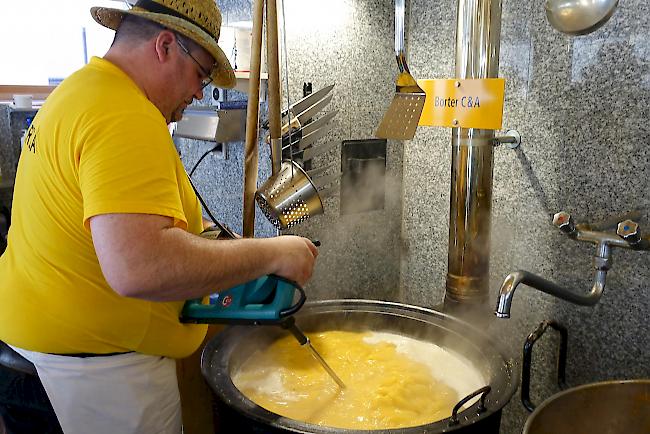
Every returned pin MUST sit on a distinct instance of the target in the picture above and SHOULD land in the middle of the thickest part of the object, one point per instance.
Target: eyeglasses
(208, 78)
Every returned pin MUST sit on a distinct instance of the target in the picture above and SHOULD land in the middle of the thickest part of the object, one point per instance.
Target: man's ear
(163, 43)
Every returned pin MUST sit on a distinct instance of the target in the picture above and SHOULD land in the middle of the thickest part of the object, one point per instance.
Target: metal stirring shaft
(290, 324)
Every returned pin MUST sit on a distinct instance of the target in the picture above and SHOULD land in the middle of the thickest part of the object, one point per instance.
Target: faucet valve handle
(564, 222)
(629, 231)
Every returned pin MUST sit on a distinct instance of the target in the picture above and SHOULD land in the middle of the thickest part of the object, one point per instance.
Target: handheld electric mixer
(268, 300)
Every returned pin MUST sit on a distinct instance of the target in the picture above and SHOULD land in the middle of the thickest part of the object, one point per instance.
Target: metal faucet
(629, 237)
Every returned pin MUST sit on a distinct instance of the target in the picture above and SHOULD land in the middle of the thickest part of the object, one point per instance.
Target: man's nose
(198, 95)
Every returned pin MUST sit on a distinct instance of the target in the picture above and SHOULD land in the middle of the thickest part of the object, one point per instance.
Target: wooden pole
(252, 119)
(273, 60)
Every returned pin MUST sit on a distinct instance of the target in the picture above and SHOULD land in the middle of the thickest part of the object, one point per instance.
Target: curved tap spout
(513, 280)
(629, 237)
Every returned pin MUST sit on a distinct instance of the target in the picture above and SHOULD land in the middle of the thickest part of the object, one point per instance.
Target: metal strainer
(289, 197)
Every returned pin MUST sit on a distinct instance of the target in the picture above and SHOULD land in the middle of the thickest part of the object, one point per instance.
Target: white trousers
(122, 394)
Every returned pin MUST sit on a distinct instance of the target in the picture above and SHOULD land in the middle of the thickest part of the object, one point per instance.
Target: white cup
(23, 101)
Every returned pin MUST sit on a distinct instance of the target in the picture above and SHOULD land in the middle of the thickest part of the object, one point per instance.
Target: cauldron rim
(221, 347)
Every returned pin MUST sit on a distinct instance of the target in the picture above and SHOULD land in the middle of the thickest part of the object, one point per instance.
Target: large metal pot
(597, 408)
(225, 353)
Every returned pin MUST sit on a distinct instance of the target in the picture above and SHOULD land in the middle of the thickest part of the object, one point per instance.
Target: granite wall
(348, 44)
(581, 105)
(219, 176)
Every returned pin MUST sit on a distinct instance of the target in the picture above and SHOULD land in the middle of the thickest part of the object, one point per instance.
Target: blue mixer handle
(266, 300)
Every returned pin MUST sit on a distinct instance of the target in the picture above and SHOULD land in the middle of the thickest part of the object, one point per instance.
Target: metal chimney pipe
(478, 36)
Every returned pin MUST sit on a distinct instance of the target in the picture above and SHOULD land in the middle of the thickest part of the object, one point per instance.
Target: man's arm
(145, 256)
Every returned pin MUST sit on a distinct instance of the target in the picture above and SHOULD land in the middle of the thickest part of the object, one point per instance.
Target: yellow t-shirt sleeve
(130, 169)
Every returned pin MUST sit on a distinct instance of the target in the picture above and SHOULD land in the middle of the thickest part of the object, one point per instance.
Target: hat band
(158, 8)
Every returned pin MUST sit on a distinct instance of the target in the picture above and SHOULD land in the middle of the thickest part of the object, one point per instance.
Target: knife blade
(304, 141)
(314, 151)
(318, 123)
(298, 134)
(313, 110)
(299, 107)
(310, 139)
(308, 101)
(299, 119)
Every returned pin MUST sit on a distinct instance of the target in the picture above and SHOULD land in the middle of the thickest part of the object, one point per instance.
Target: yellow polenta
(384, 388)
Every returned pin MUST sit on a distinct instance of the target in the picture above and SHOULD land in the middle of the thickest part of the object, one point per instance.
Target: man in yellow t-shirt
(103, 247)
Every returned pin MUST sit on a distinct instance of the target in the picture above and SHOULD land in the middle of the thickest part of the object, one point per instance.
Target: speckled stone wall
(348, 44)
(581, 105)
(219, 177)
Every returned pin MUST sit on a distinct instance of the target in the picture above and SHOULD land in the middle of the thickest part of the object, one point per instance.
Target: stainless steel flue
(478, 35)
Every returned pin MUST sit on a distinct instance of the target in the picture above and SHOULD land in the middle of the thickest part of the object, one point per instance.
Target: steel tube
(477, 56)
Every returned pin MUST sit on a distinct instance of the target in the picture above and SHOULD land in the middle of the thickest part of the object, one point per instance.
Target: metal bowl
(579, 17)
(225, 353)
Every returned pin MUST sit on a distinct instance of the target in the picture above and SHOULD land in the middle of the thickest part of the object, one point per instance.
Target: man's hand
(295, 259)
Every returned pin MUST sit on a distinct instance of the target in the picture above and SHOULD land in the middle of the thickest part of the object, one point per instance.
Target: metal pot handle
(483, 391)
(528, 356)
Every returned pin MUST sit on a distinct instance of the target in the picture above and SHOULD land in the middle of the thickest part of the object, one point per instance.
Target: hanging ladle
(579, 17)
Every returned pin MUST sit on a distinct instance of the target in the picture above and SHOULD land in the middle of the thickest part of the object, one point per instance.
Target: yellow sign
(476, 103)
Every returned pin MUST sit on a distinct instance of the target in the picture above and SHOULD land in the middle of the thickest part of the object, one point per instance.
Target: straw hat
(199, 20)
